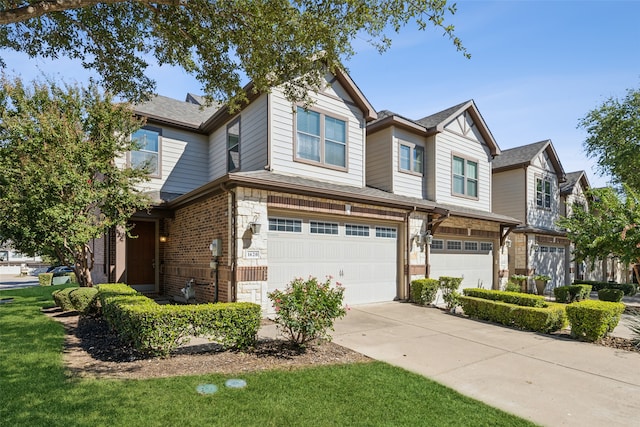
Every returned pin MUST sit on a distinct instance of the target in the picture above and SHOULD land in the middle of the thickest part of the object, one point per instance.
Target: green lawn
(34, 390)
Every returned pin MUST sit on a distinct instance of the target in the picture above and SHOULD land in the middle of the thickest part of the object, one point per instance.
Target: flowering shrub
(306, 309)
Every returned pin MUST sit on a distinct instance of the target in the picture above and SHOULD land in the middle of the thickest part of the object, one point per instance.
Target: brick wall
(186, 255)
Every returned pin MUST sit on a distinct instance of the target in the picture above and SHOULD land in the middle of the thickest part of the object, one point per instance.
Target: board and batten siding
(282, 138)
(509, 196)
(253, 140)
(404, 183)
(183, 156)
(448, 144)
(541, 167)
(379, 160)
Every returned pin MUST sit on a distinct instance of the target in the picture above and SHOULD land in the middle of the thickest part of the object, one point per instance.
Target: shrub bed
(423, 291)
(612, 295)
(516, 298)
(629, 289)
(591, 320)
(538, 319)
(159, 329)
(571, 293)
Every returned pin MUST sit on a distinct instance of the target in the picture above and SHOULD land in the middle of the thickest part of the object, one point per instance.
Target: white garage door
(549, 260)
(362, 257)
(471, 260)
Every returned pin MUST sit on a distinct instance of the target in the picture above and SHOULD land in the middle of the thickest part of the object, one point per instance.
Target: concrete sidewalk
(549, 380)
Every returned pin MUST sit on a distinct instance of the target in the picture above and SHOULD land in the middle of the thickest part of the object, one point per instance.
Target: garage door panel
(365, 266)
(476, 269)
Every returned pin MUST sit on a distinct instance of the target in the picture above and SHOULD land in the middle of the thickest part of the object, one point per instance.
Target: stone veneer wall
(186, 253)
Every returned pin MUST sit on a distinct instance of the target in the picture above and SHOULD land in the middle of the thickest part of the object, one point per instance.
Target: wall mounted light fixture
(163, 238)
(255, 226)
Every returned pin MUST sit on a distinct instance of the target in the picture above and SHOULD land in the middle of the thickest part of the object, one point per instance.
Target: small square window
(486, 246)
(454, 245)
(286, 225)
(437, 245)
(471, 246)
(356, 230)
(317, 227)
(386, 232)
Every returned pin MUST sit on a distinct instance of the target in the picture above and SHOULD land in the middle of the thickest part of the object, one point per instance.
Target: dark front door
(141, 256)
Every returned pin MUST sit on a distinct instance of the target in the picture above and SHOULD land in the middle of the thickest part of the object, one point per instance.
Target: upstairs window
(465, 177)
(411, 158)
(321, 138)
(233, 146)
(543, 193)
(147, 156)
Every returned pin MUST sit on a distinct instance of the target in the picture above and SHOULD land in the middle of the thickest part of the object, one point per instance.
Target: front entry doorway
(141, 256)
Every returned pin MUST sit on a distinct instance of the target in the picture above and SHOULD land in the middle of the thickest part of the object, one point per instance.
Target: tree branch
(37, 9)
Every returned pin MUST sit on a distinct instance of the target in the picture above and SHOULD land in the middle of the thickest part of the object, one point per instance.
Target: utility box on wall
(216, 247)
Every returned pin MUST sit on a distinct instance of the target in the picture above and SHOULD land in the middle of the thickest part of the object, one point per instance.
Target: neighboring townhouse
(526, 185)
(444, 158)
(572, 192)
(244, 202)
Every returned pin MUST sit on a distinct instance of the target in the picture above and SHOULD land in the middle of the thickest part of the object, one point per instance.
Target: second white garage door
(361, 256)
(471, 260)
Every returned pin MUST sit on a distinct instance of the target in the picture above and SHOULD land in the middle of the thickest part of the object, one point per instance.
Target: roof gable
(522, 156)
(573, 179)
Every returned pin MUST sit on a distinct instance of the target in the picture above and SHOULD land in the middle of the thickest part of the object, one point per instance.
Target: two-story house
(244, 202)
(526, 185)
(445, 158)
(572, 193)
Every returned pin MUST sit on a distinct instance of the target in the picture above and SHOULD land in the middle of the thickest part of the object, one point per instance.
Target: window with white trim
(454, 245)
(544, 249)
(560, 250)
(437, 245)
(147, 156)
(386, 232)
(233, 146)
(356, 230)
(465, 177)
(321, 138)
(318, 227)
(543, 193)
(286, 225)
(411, 158)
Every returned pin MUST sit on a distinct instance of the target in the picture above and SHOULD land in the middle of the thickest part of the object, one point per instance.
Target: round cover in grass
(235, 383)
(207, 388)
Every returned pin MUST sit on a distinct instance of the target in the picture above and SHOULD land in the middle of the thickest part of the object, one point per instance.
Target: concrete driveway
(549, 380)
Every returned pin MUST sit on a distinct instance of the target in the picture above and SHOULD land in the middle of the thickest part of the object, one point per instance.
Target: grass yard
(34, 390)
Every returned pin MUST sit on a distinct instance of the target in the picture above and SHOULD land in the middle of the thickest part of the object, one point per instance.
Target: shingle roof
(572, 179)
(437, 118)
(171, 110)
(519, 155)
(298, 184)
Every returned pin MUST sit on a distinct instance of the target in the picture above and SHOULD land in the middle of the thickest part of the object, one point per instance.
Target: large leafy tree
(613, 138)
(609, 226)
(60, 185)
(270, 42)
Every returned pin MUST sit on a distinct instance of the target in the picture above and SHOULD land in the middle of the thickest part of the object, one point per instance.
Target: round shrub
(613, 295)
(423, 291)
(84, 299)
(62, 298)
(306, 309)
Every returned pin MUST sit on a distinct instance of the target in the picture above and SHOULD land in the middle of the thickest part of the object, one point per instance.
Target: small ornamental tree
(307, 309)
(60, 185)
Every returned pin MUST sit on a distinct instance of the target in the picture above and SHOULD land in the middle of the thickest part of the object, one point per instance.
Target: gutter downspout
(232, 254)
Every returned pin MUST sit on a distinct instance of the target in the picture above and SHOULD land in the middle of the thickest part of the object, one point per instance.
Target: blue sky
(537, 67)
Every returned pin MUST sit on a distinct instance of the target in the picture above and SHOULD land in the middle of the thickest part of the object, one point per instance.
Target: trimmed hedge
(612, 295)
(538, 319)
(571, 293)
(84, 299)
(629, 289)
(45, 279)
(159, 329)
(423, 291)
(516, 298)
(591, 320)
(62, 298)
